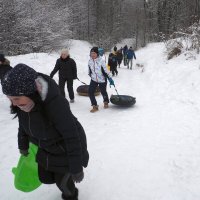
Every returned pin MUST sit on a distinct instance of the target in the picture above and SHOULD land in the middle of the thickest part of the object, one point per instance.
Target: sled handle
(81, 81)
(116, 90)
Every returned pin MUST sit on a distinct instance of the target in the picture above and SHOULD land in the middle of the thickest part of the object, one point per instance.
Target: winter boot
(72, 101)
(74, 197)
(94, 109)
(105, 105)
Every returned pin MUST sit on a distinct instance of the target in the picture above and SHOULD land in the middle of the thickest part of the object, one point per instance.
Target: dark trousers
(48, 177)
(125, 60)
(113, 69)
(119, 62)
(61, 84)
(102, 87)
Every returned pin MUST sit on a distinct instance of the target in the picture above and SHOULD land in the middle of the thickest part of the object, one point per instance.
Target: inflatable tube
(122, 100)
(26, 173)
(83, 90)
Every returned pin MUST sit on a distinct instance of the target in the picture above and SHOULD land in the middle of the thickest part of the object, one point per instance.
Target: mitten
(111, 81)
(78, 177)
(23, 152)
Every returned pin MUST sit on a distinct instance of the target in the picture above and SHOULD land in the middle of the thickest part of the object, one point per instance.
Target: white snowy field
(147, 152)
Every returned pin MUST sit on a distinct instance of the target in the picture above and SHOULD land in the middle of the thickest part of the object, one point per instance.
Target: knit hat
(2, 58)
(64, 51)
(95, 49)
(19, 81)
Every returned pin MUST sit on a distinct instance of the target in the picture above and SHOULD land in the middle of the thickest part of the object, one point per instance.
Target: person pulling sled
(99, 75)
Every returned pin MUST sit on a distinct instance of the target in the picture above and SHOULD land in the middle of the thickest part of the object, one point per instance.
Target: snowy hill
(148, 152)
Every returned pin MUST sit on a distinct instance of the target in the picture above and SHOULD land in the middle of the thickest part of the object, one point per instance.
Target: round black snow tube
(122, 100)
(83, 90)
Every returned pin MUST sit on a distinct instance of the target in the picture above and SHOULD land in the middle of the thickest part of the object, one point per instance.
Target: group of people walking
(115, 59)
(45, 117)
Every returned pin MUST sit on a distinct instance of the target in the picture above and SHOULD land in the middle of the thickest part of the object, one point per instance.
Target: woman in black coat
(45, 119)
(67, 73)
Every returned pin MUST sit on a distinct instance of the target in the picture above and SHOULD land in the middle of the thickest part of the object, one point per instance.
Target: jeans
(130, 61)
(102, 87)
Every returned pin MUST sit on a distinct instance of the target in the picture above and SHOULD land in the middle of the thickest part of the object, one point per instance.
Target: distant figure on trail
(119, 57)
(115, 50)
(4, 66)
(99, 74)
(67, 73)
(130, 54)
(112, 62)
(125, 49)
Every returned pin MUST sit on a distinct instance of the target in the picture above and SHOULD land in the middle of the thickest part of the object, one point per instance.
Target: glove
(111, 81)
(23, 152)
(77, 178)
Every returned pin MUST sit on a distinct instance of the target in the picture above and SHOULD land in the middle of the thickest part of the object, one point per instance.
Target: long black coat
(66, 67)
(53, 128)
(112, 60)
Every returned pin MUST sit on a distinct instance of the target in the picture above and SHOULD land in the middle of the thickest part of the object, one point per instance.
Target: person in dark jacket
(125, 49)
(4, 66)
(119, 57)
(67, 73)
(130, 54)
(45, 119)
(112, 62)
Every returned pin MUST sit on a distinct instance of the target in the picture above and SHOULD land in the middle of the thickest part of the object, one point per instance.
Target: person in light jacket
(99, 75)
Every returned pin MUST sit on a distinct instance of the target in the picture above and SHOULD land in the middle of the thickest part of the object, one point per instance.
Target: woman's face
(19, 100)
(64, 55)
(93, 55)
(24, 103)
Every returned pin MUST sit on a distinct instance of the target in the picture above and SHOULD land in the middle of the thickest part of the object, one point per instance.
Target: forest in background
(43, 25)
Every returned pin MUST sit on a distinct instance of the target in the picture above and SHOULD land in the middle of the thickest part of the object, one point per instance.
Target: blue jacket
(130, 54)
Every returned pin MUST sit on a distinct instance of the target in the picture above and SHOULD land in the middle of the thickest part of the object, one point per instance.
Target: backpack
(101, 51)
(114, 58)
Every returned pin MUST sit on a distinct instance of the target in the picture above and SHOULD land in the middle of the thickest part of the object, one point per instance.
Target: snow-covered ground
(147, 152)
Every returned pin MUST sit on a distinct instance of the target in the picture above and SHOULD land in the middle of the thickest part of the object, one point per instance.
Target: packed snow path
(147, 152)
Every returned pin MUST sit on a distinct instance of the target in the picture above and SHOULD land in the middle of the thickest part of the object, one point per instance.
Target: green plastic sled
(26, 173)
